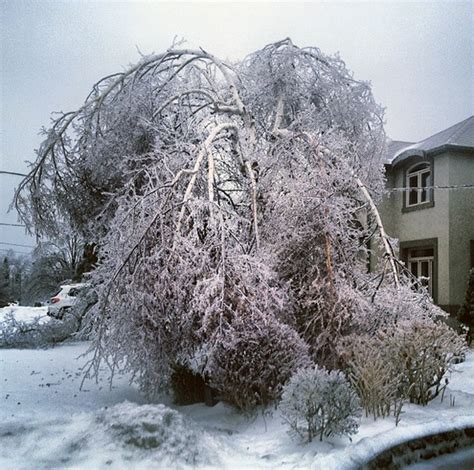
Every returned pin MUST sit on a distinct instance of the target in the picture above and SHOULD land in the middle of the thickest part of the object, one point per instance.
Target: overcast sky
(418, 56)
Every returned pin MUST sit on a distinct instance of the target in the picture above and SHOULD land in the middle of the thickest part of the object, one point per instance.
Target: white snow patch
(123, 436)
(46, 382)
(24, 314)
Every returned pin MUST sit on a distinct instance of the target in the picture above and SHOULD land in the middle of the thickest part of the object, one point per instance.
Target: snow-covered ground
(24, 314)
(47, 421)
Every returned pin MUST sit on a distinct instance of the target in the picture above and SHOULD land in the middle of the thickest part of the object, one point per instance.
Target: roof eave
(401, 157)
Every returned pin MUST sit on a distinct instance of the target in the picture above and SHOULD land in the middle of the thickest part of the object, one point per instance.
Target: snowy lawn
(47, 422)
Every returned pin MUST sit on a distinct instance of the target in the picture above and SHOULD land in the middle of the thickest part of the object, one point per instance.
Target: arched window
(417, 184)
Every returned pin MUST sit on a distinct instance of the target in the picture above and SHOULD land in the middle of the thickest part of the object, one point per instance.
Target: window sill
(417, 207)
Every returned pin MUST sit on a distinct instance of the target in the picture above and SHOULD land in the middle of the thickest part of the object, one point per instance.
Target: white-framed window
(420, 264)
(417, 183)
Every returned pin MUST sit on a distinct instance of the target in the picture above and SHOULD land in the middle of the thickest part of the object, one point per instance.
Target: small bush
(423, 351)
(406, 361)
(375, 377)
(316, 402)
(253, 360)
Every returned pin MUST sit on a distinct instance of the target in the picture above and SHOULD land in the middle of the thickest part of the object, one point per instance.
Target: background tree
(5, 294)
(53, 263)
(20, 266)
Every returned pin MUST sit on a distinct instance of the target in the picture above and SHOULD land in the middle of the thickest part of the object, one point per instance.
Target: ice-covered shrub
(390, 304)
(316, 402)
(155, 430)
(182, 302)
(375, 377)
(407, 360)
(253, 360)
(423, 351)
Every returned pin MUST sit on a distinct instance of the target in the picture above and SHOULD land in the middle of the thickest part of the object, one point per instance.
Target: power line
(16, 244)
(419, 188)
(11, 173)
(14, 251)
(12, 225)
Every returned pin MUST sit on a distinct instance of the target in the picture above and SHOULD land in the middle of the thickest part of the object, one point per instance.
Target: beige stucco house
(434, 220)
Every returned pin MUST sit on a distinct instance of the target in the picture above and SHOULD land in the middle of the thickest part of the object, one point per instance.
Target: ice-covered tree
(220, 195)
(19, 268)
(53, 263)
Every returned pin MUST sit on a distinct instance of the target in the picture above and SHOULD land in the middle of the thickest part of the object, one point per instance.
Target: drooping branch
(211, 98)
(205, 151)
(277, 130)
(253, 183)
(115, 83)
(389, 254)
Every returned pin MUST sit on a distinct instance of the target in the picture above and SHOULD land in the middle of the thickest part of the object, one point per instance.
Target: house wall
(461, 225)
(450, 221)
(422, 224)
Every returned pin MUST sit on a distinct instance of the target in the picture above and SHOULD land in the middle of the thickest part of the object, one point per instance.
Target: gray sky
(418, 56)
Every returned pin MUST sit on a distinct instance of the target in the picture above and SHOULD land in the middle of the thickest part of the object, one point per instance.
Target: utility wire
(418, 188)
(16, 244)
(12, 225)
(14, 251)
(11, 173)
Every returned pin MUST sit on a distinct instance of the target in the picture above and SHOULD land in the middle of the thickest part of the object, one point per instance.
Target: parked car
(64, 300)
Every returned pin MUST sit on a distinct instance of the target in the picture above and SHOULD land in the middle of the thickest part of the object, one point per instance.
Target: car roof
(70, 286)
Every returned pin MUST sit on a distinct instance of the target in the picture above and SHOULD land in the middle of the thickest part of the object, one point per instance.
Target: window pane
(420, 167)
(421, 253)
(425, 181)
(420, 264)
(425, 268)
(413, 195)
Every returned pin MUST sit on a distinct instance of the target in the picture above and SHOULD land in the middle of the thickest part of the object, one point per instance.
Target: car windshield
(75, 291)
